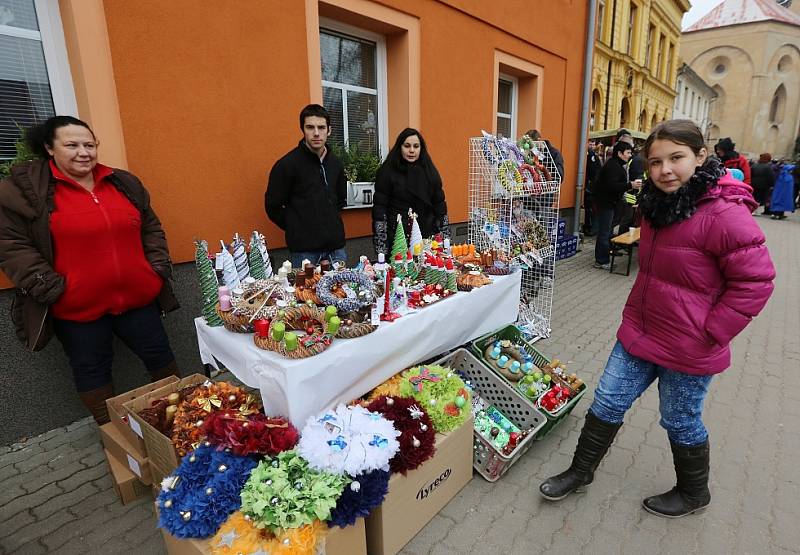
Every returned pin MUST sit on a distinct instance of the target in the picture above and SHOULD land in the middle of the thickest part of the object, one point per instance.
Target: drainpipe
(608, 77)
(587, 84)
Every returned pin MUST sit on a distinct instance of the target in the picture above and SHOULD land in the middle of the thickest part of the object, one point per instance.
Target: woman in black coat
(408, 179)
(762, 177)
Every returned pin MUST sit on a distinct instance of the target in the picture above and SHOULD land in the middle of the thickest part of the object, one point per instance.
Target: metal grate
(513, 209)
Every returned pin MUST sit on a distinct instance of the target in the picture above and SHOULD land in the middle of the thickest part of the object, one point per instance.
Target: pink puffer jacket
(700, 283)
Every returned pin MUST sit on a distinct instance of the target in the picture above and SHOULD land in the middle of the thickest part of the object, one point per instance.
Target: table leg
(630, 256)
(613, 252)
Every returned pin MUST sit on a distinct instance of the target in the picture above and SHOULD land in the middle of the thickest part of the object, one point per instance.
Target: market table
(299, 388)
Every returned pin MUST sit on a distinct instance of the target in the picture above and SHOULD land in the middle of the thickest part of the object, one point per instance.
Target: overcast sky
(699, 9)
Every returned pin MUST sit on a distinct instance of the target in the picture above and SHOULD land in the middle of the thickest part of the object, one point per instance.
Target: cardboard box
(119, 417)
(414, 499)
(116, 444)
(126, 484)
(160, 450)
(338, 541)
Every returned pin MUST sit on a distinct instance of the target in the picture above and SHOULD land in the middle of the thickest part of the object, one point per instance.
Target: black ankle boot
(691, 492)
(596, 437)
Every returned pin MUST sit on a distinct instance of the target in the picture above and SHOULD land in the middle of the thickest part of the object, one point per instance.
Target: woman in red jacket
(88, 257)
(704, 274)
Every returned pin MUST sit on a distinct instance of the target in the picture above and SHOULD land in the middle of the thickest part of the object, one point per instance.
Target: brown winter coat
(26, 253)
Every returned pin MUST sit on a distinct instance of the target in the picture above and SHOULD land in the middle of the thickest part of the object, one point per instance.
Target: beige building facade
(748, 51)
(635, 63)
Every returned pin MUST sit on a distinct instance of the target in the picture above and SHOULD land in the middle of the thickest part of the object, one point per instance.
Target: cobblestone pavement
(56, 495)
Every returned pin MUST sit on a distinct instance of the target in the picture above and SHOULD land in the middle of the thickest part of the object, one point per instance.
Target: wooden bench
(627, 241)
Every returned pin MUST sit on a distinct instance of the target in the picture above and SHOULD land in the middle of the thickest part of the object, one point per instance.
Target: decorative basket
(360, 326)
(237, 323)
(487, 460)
(297, 318)
(514, 334)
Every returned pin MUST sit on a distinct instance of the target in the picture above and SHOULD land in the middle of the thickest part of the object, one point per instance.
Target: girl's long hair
(396, 162)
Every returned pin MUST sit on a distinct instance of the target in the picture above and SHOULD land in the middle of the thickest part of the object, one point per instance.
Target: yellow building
(635, 63)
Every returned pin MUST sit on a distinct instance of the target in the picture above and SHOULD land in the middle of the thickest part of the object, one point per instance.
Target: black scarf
(661, 209)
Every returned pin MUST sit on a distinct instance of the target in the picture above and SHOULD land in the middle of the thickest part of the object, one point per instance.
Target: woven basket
(237, 323)
(360, 327)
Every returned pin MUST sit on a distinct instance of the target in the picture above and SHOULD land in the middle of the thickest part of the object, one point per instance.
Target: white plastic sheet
(349, 368)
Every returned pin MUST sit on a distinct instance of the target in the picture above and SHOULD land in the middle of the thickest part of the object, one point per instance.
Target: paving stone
(28, 501)
(64, 501)
(32, 532)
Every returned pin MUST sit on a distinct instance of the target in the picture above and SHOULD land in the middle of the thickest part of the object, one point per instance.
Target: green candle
(333, 325)
(278, 329)
(290, 341)
(330, 312)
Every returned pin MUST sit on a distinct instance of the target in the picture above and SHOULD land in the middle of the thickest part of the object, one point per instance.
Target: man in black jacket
(611, 184)
(593, 165)
(306, 191)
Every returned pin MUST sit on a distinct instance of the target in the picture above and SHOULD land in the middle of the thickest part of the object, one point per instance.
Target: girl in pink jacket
(704, 274)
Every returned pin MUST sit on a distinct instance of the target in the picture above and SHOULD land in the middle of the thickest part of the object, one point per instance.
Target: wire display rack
(513, 210)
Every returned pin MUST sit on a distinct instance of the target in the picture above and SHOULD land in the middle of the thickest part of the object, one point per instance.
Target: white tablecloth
(299, 388)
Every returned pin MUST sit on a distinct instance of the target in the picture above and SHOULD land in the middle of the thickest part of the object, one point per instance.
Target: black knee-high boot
(595, 439)
(691, 493)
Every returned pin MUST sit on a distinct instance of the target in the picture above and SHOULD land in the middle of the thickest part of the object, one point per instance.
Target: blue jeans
(605, 223)
(338, 255)
(89, 345)
(680, 395)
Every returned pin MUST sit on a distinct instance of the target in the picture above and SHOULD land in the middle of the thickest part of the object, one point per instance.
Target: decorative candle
(278, 331)
(471, 249)
(495, 354)
(527, 368)
(249, 280)
(262, 327)
(502, 361)
(224, 290)
(447, 244)
(225, 303)
(330, 312)
(333, 325)
(290, 341)
(287, 266)
(305, 263)
(170, 413)
(514, 368)
(173, 398)
(300, 280)
(417, 249)
(325, 265)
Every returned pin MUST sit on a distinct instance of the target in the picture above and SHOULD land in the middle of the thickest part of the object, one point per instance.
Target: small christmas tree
(240, 257)
(416, 234)
(399, 246)
(259, 241)
(229, 274)
(255, 260)
(208, 284)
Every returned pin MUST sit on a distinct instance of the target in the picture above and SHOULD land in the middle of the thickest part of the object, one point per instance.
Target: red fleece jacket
(97, 245)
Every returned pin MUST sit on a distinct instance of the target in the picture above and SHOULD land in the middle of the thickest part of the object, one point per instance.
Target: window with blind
(25, 95)
(507, 107)
(353, 89)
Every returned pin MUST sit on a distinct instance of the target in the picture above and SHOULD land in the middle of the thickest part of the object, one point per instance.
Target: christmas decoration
(359, 497)
(415, 242)
(440, 392)
(285, 492)
(208, 284)
(239, 535)
(240, 257)
(256, 260)
(229, 274)
(187, 431)
(348, 440)
(399, 245)
(249, 434)
(417, 434)
(202, 492)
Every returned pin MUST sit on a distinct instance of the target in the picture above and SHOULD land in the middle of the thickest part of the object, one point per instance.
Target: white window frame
(514, 96)
(51, 35)
(380, 91)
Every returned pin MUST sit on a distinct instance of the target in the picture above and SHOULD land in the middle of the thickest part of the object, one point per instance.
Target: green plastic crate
(514, 334)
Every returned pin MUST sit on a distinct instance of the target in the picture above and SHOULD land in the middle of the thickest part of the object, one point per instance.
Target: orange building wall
(209, 97)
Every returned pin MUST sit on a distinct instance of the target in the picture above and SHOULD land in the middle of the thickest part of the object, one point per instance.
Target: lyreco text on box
(415, 498)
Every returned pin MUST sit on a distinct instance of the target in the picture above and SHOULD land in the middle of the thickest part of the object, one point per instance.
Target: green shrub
(358, 165)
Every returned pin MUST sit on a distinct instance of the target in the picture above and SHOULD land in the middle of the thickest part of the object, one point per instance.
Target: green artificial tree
(399, 246)
(256, 263)
(208, 284)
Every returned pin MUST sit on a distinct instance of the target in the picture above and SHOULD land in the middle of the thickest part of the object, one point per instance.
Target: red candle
(262, 327)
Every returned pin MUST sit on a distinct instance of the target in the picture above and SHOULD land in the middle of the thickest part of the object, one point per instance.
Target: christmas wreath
(417, 435)
(441, 392)
(251, 434)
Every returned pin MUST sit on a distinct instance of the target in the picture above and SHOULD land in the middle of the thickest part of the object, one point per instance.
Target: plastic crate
(487, 460)
(514, 334)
